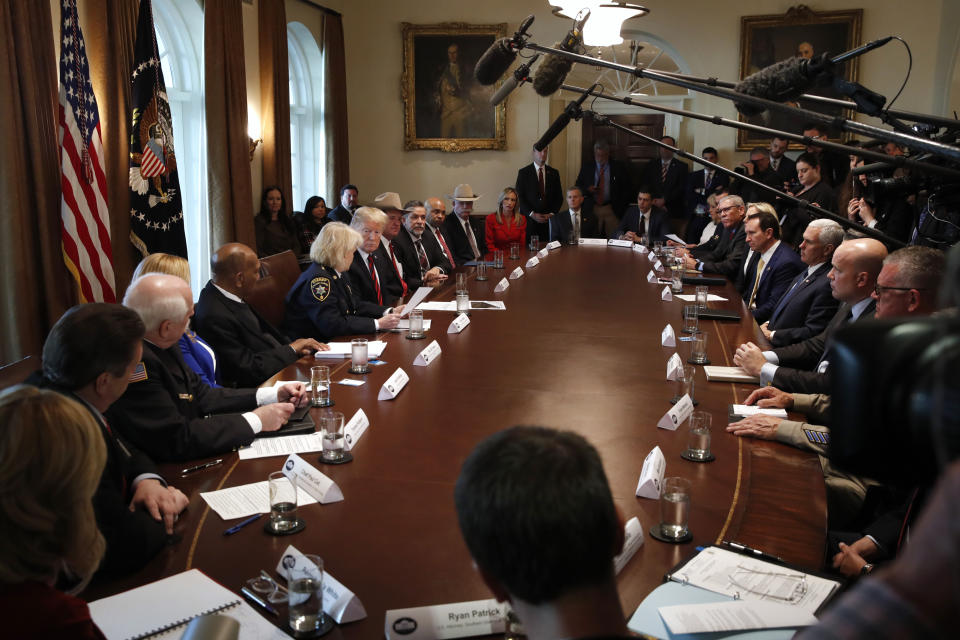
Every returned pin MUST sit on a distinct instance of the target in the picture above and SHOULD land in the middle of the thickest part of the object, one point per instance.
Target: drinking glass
(283, 502)
(461, 282)
(684, 383)
(675, 508)
(463, 302)
(359, 356)
(331, 435)
(702, 293)
(481, 270)
(534, 243)
(690, 318)
(698, 439)
(320, 386)
(514, 250)
(305, 593)
(698, 354)
(416, 324)
(498, 258)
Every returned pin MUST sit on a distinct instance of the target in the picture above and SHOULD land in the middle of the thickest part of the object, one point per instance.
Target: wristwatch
(866, 569)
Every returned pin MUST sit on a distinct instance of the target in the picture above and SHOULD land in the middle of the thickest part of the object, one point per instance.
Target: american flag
(83, 209)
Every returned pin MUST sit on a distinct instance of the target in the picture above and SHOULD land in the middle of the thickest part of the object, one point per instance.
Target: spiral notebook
(166, 604)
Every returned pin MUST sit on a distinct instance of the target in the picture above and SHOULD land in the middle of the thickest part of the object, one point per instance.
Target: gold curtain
(228, 152)
(34, 290)
(275, 98)
(335, 102)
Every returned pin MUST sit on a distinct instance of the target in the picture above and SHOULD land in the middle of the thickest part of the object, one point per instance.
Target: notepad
(729, 374)
(172, 602)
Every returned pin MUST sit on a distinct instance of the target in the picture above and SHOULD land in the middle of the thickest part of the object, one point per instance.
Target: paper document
(436, 305)
(737, 615)
(675, 238)
(246, 500)
(417, 298)
(281, 446)
(345, 350)
(497, 305)
(693, 298)
(752, 410)
(728, 374)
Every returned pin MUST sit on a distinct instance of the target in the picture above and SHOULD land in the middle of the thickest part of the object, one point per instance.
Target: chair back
(17, 372)
(281, 272)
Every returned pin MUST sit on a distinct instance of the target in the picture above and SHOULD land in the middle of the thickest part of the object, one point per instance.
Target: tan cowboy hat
(388, 201)
(464, 192)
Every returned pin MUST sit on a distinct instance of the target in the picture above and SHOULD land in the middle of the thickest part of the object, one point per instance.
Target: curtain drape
(275, 98)
(335, 106)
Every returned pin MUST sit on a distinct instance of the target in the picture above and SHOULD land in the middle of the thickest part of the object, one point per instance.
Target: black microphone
(500, 55)
(554, 69)
(781, 82)
(571, 112)
(521, 75)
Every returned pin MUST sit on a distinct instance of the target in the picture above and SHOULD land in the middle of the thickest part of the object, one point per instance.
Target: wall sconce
(253, 129)
(253, 146)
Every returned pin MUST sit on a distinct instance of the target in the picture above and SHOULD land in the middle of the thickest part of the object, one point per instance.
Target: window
(179, 28)
(307, 143)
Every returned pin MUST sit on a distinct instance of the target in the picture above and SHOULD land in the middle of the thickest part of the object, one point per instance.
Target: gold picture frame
(767, 39)
(444, 108)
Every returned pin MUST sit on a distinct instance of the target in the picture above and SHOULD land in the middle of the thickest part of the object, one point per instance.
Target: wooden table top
(577, 348)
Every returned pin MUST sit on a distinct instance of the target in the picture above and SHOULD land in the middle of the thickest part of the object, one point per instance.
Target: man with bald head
(249, 349)
(801, 367)
(167, 411)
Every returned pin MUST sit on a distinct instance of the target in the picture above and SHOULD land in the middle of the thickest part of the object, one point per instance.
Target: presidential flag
(156, 214)
(85, 228)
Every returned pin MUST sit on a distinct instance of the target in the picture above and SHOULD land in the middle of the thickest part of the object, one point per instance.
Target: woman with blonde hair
(198, 355)
(507, 225)
(51, 459)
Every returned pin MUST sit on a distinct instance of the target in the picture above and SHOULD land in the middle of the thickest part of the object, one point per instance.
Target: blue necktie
(787, 296)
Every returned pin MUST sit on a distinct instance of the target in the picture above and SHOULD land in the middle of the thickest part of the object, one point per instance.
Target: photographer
(882, 202)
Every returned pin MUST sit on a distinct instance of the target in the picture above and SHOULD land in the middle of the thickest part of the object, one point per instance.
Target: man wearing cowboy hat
(465, 242)
(389, 203)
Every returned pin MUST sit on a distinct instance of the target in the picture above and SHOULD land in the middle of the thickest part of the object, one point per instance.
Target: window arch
(179, 28)
(307, 142)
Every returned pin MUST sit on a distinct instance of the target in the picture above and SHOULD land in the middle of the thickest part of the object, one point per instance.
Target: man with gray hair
(372, 274)
(727, 257)
(424, 261)
(607, 188)
(808, 304)
(167, 410)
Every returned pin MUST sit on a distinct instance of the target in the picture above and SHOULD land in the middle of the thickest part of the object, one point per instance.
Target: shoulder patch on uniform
(817, 437)
(139, 373)
(320, 288)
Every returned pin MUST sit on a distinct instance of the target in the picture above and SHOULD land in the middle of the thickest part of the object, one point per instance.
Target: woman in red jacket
(507, 225)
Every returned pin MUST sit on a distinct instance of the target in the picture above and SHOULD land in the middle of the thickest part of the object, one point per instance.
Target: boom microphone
(571, 112)
(500, 55)
(521, 75)
(554, 69)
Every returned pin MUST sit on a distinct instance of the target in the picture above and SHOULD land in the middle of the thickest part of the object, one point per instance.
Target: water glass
(305, 596)
(498, 259)
(684, 383)
(461, 282)
(283, 502)
(481, 270)
(645, 240)
(320, 386)
(463, 302)
(534, 243)
(702, 293)
(675, 508)
(691, 318)
(331, 435)
(658, 248)
(676, 278)
(698, 440)
(416, 324)
(698, 354)
(359, 356)
(514, 250)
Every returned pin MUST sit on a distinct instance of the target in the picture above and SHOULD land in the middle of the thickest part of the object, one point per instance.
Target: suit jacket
(727, 257)
(165, 412)
(622, 189)
(528, 195)
(656, 230)
(752, 193)
(501, 236)
(197, 357)
(390, 288)
(408, 255)
(133, 537)
(696, 194)
(250, 349)
(786, 170)
(672, 188)
(798, 362)
(794, 220)
(340, 214)
(564, 224)
(807, 310)
(776, 278)
(457, 240)
(322, 303)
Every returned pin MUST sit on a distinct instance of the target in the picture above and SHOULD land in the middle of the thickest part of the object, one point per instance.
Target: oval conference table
(577, 348)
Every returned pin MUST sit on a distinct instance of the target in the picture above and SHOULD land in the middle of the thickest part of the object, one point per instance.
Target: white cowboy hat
(464, 192)
(387, 201)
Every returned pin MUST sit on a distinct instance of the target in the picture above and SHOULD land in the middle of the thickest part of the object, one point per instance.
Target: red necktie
(600, 193)
(443, 243)
(540, 184)
(373, 274)
(397, 269)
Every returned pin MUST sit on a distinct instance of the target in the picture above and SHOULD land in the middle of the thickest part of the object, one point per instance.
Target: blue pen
(241, 525)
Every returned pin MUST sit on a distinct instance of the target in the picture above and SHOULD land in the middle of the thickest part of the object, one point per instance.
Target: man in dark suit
(436, 214)
(248, 348)
(772, 266)
(463, 237)
(784, 167)
(834, 166)
(167, 410)
(802, 367)
(421, 255)
(700, 184)
(727, 255)
(757, 168)
(372, 274)
(540, 197)
(343, 212)
(576, 218)
(806, 308)
(644, 219)
(667, 176)
(606, 187)
(89, 356)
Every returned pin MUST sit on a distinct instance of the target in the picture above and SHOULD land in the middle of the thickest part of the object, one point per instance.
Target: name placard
(666, 295)
(651, 476)
(667, 337)
(502, 285)
(632, 540)
(596, 242)
(543, 253)
(461, 321)
(355, 427)
(554, 245)
(457, 620)
(532, 262)
(310, 479)
(674, 367)
(394, 384)
(641, 249)
(658, 265)
(652, 257)
(430, 353)
(516, 273)
(626, 244)
(339, 602)
(678, 413)
(652, 277)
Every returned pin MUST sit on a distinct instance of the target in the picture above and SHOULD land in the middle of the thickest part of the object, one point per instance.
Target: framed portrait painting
(800, 32)
(444, 108)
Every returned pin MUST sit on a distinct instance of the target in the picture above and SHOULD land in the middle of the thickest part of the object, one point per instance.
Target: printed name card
(674, 367)
(641, 249)
(532, 262)
(457, 620)
(652, 277)
(394, 384)
(667, 337)
(626, 244)
(554, 245)
(310, 479)
(632, 540)
(543, 253)
(678, 413)
(597, 242)
(355, 427)
(516, 273)
(666, 295)
(652, 257)
(462, 320)
(658, 265)
(651, 476)
(430, 353)
(502, 285)
(339, 602)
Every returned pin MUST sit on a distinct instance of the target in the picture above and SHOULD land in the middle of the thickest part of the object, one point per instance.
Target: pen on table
(205, 465)
(257, 600)
(241, 525)
(751, 551)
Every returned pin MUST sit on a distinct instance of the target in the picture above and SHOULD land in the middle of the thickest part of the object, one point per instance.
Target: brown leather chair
(17, 372)
(280, 272)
